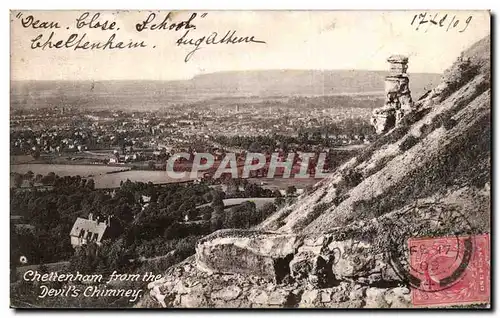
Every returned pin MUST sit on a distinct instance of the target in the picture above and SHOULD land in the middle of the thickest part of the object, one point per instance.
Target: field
(65, 170)
(102, 175)
(111, 176)
(259, 202)
(113, 180)
(281, 183)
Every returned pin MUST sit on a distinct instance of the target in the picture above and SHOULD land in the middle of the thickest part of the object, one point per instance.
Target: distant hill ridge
(153, 94)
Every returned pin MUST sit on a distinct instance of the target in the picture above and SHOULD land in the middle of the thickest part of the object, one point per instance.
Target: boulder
(260, 254)
(398, 297)
(312, 267)
(375, 298)
(310, 298)
(275, 298)
(228, 293)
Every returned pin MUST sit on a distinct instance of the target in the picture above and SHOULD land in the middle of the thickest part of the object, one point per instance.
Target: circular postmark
(430, 246)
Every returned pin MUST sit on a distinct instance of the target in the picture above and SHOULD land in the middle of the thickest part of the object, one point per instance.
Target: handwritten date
(440, 20)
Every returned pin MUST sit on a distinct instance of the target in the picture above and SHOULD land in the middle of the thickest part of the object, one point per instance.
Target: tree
(206, 212)
(90, 184)
(217, 219)
(252, 190)
(232, 188)
(279, 201)
(49, 179)
(277, 193)
(35, 154)
(151, 165)
(217, 199)
(207, 216)
(29, 175)
(116, 254)
(291, 190)
(266, 210)
(124, 213)
(154, 196)
(187, 206)
(85, 260)
(18, 180)
(241, 216)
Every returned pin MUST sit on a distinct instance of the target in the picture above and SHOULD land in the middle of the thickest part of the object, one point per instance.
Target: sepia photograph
(250, 159)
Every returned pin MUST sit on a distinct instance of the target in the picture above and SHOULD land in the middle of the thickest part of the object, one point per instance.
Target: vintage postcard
(250, 159)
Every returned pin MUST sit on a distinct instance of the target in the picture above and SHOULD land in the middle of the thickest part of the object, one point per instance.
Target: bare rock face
(247, 252)
(198, 289)
(228, 293)
(383, 119)
(317, 260)
(349, 267)
(398, 102)
(350, 295)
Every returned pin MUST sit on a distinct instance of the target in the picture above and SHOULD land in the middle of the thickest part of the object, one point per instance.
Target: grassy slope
(444, 147)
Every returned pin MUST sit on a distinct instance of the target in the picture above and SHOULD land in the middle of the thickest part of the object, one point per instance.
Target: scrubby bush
(266, 210)
(186, 246)
(409, 142)
(413, 116)
(462, 71)
(389, 138)
(443, 120)
(352, 178)
(339, 198)
(323, 194)
(449, 123)
(425, 130)
(320, 208)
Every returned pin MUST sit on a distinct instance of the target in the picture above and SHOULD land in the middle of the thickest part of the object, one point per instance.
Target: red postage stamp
(450, 270)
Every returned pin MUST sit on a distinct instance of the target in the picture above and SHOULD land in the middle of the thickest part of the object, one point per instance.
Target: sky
(293, 40)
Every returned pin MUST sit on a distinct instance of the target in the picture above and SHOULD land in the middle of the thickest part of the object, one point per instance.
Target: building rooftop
(82, 227)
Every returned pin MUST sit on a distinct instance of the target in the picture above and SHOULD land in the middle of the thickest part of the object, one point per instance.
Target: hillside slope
(344, 243)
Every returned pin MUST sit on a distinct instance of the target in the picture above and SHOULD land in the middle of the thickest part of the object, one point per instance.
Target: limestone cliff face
(344, 244)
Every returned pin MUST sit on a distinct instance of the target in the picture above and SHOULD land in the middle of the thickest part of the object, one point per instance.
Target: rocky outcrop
(246, 252)
(195, 288)
(398, 102)
(350, 267)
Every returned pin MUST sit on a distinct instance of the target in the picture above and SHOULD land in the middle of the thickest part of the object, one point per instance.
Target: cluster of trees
(241, 188)
(242, 216)
(51, 179)
(150, 220)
